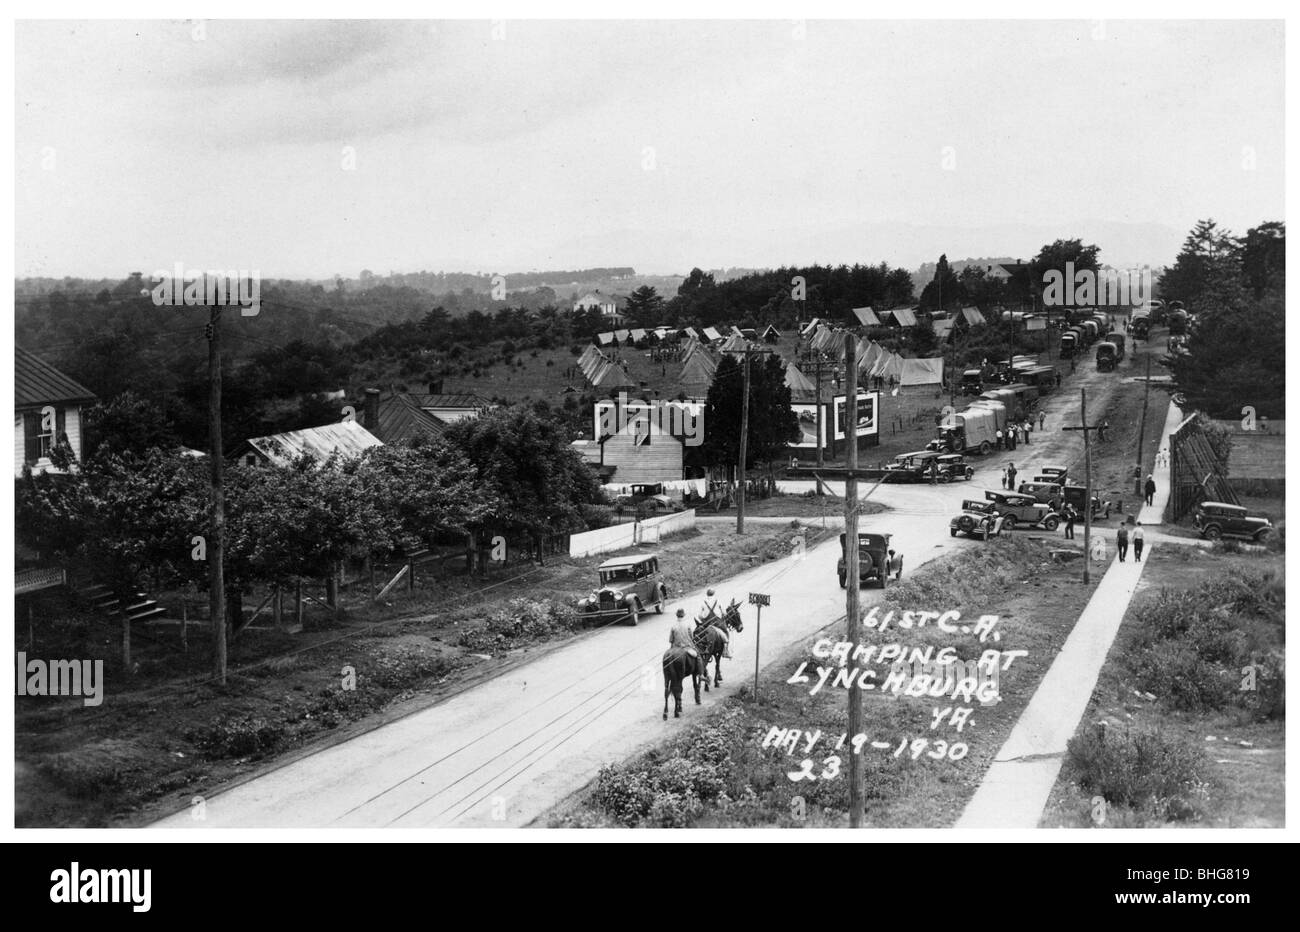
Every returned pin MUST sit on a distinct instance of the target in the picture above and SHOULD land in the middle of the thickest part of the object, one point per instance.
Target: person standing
(1150, 488)
(1137, 543)
(1058, 375)
(999, 440)
(1042, 415)
(1027, 429)
(1070, 516)
(1004, 477)
(1121, 541)
(1011, 477)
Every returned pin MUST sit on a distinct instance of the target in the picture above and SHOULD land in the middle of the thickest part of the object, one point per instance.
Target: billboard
(807, 414)
(868, 414)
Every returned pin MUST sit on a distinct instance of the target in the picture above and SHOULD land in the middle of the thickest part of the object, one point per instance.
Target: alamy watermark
(188, 288)
(1089, 288)
(83, 678)
(641, 419)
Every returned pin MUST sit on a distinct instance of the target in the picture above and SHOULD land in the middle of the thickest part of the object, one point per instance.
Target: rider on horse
(711, 611)
(681, 635)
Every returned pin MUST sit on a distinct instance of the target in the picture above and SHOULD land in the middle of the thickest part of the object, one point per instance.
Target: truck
(972, 382)
(1108, 356)
(1091, 329)
(1139, 324)
(1177, 322)
(1069, 341)
(1042, 378)
(1117, 337)
(974, 430)
(1018, 398)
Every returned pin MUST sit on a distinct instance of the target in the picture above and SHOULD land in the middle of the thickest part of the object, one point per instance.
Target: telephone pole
(744, 439)
(744, 449)
(215, 548)
(1142, 429)
(1087, 482)
(821, 430)
(853, 579)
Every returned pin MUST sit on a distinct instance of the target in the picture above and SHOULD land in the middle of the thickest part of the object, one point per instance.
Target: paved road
(503, 752)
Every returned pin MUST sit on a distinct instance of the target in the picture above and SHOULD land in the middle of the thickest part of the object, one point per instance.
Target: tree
(773, 425)
(1236, 358)
(645, 306)
(127, 424)
(1208, 271)
(1263, 257)
(527, 469)
(944, 290)
(1056, 256)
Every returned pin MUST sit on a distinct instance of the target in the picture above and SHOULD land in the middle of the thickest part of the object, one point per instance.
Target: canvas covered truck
(1069, 342)
(972, 381)
(974, 430)
(1139, 324)
(1108, 356)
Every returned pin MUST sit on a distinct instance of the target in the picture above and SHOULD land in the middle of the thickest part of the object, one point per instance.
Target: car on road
(976, 519)
(876, 560)
(1219, 519)
(1042, 491)
(1022, 511)
(1074, 495)
(627, 585)
(954, 466)
(1055, 474)
(910, 467)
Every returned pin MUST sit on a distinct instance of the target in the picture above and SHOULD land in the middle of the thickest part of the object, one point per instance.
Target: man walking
(1137, 543)
(1121, 541)
(1042, 415)
(1011, 477)
(1070, 516)
(1150, 488)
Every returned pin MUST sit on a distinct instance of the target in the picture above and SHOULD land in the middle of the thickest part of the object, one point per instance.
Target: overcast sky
(307, 149)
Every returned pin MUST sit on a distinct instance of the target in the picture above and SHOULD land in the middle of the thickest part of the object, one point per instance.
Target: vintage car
(1042, 490)
(954, 466)
(976, 519)
(627, 585)
(1055, 474)
(1218, 519)
(1022, 511)
(1074, 495)
(875, 560)
(910, 467)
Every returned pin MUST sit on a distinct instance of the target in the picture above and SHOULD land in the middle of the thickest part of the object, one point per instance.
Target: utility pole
(1087, 483)
(1142, 429)
(744, 440)
(215, 548)
(853, 580)
(821, 429)
(744, 448)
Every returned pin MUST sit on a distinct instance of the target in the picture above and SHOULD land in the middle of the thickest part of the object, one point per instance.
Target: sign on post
(760, 599)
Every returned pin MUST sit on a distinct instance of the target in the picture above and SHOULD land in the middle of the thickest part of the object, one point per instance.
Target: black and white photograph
(442, 424)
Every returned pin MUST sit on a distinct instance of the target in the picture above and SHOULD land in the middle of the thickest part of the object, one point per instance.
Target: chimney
(435, 387)
(372, 410)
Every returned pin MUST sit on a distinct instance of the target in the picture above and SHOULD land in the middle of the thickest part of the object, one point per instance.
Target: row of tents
(875, 361)
(711, 335)
(600, 371)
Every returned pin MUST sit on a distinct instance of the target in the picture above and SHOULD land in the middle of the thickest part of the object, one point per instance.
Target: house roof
(451, 401)
(402, 418)
(972, 315)
(36, 382)
(348, 438)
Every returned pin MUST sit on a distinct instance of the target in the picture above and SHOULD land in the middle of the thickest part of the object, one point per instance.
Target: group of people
(682, 633)
(1122, 538)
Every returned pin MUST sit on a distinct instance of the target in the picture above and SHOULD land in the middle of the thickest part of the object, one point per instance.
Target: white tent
(922, 371)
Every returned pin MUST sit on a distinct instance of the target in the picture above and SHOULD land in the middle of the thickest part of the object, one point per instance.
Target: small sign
(759, 598)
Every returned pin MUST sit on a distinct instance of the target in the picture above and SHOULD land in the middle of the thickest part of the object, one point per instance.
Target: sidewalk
(1020, 780)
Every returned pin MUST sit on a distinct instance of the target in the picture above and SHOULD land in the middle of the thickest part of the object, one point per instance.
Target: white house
(47, 409)
(611, 306)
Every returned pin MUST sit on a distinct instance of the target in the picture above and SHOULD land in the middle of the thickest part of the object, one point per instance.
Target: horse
(679, 664)
(711, 640)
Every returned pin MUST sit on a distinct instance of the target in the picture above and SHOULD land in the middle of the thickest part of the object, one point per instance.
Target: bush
(521, 621)
(237, 736)
(1160, 779)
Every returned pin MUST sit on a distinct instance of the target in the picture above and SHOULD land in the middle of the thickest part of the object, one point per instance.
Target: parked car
(975, 520)
(1022, 511)
(1055, 474)
(1042, 491)
(954, 466)
(1218, 519)
(627, 585)
(910, 467)
(1074, 495)
(875, 560)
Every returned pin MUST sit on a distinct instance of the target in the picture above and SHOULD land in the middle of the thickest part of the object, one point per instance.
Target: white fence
(621, 536)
